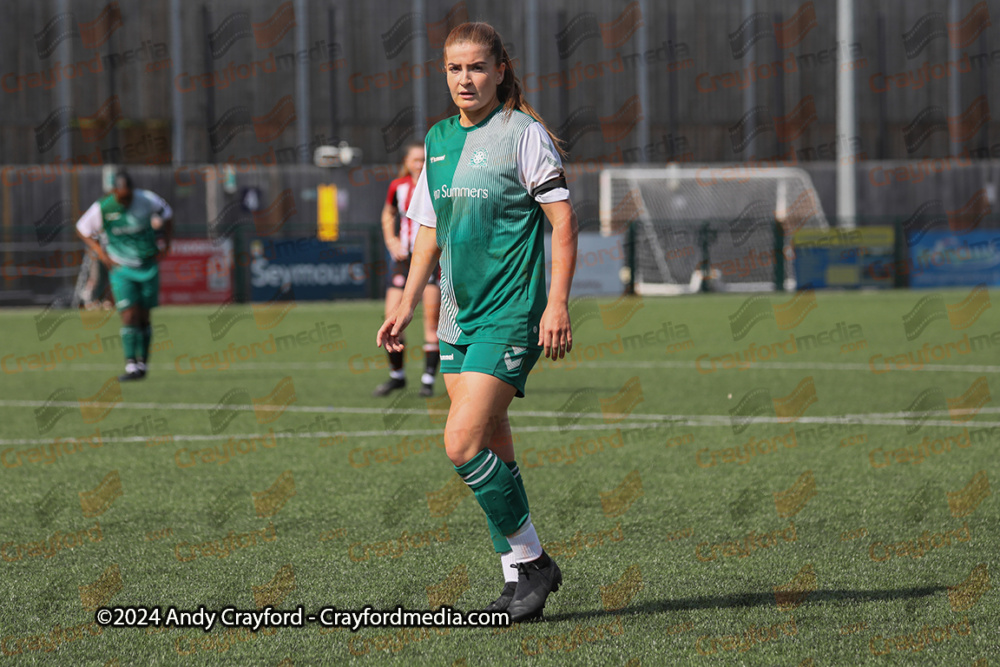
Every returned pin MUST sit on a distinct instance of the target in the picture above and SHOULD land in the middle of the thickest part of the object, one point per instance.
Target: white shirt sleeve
(421, 207)
(538, 163)
(160, 205)
(91, 223)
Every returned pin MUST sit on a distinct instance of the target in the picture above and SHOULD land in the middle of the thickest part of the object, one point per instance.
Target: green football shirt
(480, 189)
(128, 234)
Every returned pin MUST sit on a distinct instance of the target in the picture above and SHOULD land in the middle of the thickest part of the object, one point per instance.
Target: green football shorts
(135, 287)
(506, 362)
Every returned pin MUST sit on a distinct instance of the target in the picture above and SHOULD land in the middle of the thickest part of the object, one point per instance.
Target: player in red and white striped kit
(399, 239)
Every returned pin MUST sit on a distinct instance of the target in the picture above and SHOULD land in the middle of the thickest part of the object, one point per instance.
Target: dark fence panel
(722, 85)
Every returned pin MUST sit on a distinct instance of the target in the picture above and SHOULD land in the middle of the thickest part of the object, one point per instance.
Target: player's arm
(392, 242)
(166, 237)
(426, 254)
(541, 173)
(88, 227)
(555, 333)
(163, 222)
(95, 247)
(422, 263)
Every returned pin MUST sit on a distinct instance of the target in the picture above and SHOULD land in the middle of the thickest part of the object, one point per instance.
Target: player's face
(123, 193)
(414, 162)
(473, 77)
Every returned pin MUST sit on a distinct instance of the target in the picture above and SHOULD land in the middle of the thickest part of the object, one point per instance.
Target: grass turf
(635, 454)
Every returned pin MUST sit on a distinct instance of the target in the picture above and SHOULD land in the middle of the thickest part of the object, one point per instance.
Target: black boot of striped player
(535, 580)
(502, 602)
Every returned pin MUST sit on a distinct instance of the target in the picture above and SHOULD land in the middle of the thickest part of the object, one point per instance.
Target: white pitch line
(439, 431)
(792, 365)
(709, 421)
(321, 434)
(906, 416)
(680, 365)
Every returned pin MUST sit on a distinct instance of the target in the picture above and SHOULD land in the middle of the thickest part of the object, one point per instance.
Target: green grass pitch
(781, 479)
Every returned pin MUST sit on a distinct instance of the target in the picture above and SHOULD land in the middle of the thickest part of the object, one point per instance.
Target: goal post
(726, 227)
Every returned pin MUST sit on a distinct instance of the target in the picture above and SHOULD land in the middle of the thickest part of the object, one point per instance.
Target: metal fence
(176, 89)
(142, 81)
(40, 255)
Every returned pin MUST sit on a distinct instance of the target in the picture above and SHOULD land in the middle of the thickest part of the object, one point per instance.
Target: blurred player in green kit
(129, 230)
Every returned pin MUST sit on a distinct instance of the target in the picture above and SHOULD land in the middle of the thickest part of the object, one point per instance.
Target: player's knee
(461, 444)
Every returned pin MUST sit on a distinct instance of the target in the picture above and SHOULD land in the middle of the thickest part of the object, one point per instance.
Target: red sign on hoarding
(197, 271)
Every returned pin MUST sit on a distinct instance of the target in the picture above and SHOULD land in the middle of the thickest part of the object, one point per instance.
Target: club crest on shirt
(479, 158)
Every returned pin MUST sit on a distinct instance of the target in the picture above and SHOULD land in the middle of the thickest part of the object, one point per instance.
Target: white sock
(131, 367)
(141, 365)
(524, 543)
(427, 378)
(397, 375)
(507, 563)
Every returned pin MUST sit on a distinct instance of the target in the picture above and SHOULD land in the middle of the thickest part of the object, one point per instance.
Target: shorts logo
(513, 364)
(447, 357)
(436, 158)
(479, 158)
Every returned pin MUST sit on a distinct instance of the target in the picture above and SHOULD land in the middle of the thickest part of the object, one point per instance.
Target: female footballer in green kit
(491, 177)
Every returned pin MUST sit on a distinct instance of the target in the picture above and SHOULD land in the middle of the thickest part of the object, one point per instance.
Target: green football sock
(500, 543)
(516, 472)
(496, 490)
(131, 342)
(146, 340)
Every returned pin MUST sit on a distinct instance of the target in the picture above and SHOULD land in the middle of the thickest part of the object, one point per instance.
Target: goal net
(34, 274)
(678, 213)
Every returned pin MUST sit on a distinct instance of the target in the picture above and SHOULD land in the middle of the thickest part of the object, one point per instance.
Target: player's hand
(156, 222)
(555, 333)
(107, 261)
(399, 252)
(163, 249)
(388, 333)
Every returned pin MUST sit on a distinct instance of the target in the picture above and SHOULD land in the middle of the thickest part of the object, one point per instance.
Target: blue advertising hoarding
(945, 259)
(310, 269)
